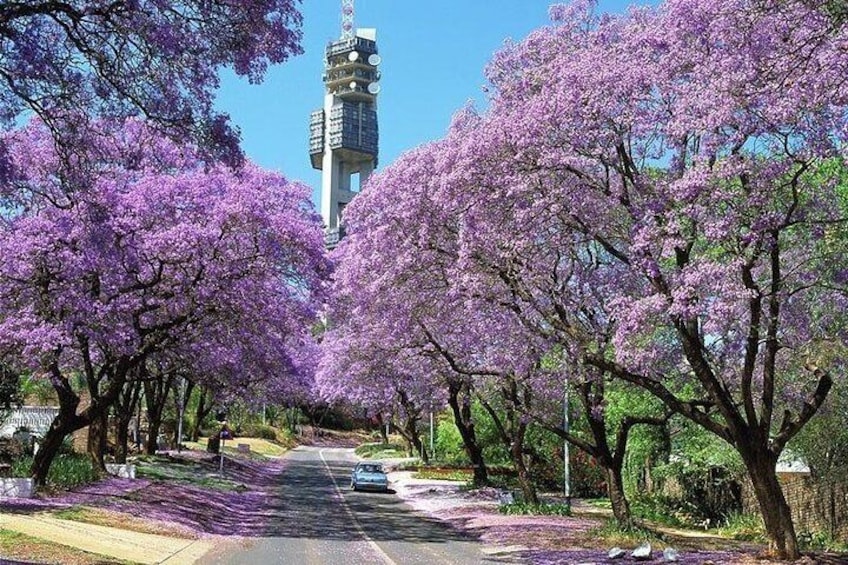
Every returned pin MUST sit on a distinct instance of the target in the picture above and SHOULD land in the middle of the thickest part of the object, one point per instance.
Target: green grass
(612, 535)
(544, 509)
(599, 503)
(664, 510)
(744, 527)
(259, 448)
(14, 545)
(459, 475)
(749, 527)
(164, 469)
(380, 450)
(77, 513)
(8, 537)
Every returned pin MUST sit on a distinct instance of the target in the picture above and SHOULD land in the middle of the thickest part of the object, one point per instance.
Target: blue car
(369, 476)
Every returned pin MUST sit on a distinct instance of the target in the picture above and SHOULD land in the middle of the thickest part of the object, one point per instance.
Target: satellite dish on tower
(374, 60)
(352, 56)
(374, 88)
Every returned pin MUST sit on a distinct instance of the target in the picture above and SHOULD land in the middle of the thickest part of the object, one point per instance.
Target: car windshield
(370, 469)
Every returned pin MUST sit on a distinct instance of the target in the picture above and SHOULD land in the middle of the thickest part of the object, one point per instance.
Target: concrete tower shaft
(343, 140)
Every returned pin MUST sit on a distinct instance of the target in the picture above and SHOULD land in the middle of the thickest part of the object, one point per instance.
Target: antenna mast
(347, 19)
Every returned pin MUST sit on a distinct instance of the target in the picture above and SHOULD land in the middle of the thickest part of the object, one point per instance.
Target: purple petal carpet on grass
(250, 512)
(245, 512)
(548, 540)
(573, 557)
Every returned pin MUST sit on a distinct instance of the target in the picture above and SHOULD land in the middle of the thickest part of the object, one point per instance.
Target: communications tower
(343, 135)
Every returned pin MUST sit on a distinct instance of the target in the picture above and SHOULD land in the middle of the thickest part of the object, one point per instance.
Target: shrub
(449, 447)
(611, 534)
(286, 438)
(746, 527)
(11, 450)
(666, 510)
(68, 470)
(379, 450)
(260, 431)
(820, 541)
(712, 493)
(588, 479)
(21, 466)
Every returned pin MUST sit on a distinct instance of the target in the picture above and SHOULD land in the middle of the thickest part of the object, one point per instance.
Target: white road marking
(386, 559)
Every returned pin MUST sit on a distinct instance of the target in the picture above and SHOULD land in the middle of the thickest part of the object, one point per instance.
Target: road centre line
(386, 559)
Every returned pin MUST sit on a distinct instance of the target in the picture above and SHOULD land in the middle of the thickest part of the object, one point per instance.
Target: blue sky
(433, 53)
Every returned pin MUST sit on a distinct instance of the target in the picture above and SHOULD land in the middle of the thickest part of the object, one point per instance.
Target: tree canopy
(162, 255)
(74, 60)
(649, 193)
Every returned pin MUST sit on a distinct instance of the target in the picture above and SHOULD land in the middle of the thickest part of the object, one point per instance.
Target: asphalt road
(318, 519)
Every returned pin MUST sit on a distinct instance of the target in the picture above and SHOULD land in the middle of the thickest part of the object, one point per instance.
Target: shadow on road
(308, 506)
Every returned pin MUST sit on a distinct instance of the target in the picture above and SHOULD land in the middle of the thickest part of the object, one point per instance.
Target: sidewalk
(110, 542)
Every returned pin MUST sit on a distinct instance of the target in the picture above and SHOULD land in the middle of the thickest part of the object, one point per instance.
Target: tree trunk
(155, 393)
(410, 425)
(201, 413)
(384, 437)
(415, 439)
(422, 451)
(777, 516)
(465, 425)
(154, 420)
(124, 414)
(618, 500)
(405, 434)
(122, 439)
(64, 423)
(512, 432)
(96, 445)
(68, 420)
(528, 489)
(47, 451)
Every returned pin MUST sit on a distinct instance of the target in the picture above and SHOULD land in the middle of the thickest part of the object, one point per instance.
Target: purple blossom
(645, 191)
(94, 60)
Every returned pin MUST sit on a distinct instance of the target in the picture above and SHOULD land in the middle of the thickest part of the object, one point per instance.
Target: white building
(34, 419)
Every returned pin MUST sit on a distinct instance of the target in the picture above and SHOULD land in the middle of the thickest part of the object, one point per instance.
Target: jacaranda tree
(161, 253)
(650, 189)
(406, 305)
(654, 193)
(74, 60)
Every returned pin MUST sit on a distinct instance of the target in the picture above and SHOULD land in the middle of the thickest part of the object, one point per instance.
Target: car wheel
(353, 486)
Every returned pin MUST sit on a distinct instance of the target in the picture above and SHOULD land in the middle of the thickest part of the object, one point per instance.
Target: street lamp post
(432, 452)
(138, 421)
(566, 458)
(182, 413)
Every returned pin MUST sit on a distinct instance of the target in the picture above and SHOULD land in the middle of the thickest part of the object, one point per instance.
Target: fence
(819, 505)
